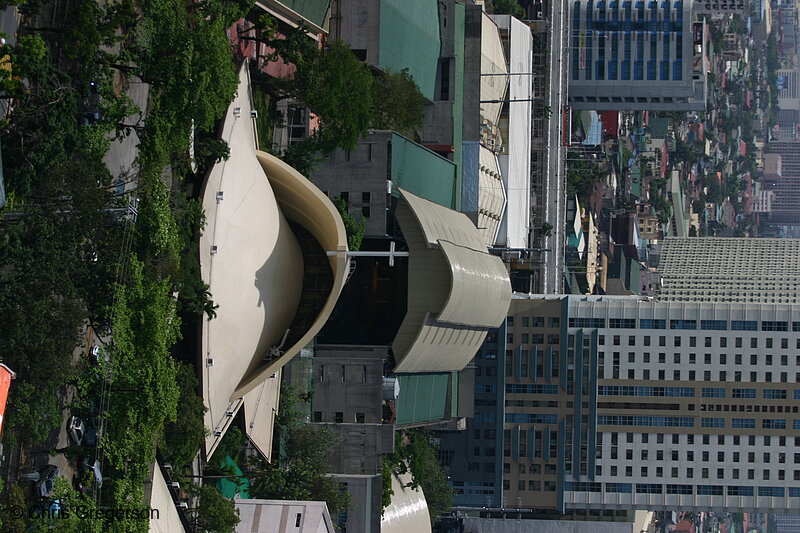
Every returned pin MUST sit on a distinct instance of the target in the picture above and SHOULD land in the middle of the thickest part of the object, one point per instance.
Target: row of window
(338, 417)
(531, 388)
(722, 440)
(535, 338)
(691, 375)
(685, 324)
(535, 321)
(646, 340)
(708, 359)
(750, 408)
(705, 456)
(705, 473)
(626, 390)
(700, 490)
(646, 421)
(767, 423)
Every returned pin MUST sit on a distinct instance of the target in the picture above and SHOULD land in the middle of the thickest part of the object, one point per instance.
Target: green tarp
(230, 487)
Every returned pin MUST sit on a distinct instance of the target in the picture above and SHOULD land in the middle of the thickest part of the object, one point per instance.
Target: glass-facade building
(636, 55)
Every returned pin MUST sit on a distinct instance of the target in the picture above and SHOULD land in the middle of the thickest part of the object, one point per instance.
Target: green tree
(300, 473)
(414, 453)
(398, 103)
(508, 7)
(304, 155)
(353, 226)
(215, 513)
(184, 437)
(145, 391)
(325, 81)
(327, 85)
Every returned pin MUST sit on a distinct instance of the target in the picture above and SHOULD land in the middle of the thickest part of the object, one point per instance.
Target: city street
(555, 194)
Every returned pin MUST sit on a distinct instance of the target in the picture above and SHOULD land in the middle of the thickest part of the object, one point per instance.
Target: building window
(339, 417)
(360, 418)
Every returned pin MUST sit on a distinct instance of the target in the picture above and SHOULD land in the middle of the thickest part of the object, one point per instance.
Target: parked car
(91, 105)
(47, 479)
(81, 433)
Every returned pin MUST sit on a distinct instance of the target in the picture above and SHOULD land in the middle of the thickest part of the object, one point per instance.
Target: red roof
(6, 375)
(610, 120)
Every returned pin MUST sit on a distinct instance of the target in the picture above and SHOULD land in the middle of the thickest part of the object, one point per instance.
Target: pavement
(123, 152)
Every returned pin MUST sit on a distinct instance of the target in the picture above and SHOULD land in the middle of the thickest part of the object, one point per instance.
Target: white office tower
(623, 403)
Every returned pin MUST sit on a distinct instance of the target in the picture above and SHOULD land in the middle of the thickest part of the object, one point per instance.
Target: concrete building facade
(730, 269)
(618, 403)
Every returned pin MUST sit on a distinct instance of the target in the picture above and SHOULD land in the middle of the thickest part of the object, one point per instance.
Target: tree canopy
(300, 474)
(414, 453)
(348, 96)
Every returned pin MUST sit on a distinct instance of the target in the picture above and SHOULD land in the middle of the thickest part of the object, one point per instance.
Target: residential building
(649, 227)
(637, 56)
(762, 201)
(721, 8)
(730, 269)
(619, 403)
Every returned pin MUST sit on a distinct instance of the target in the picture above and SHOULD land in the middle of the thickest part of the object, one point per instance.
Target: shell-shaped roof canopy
(456, 289)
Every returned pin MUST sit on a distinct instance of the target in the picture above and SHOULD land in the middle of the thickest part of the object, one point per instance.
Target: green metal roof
(423, 398)
(410, 39)
(422, 172)
(313, 10)
(636, 181)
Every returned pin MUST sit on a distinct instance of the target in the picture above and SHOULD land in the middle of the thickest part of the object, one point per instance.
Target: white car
(76, 429)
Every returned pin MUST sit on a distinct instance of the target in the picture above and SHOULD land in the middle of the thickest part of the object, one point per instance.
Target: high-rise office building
(636, 56)
(786, 204)
(730, 269)
(618, 403)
